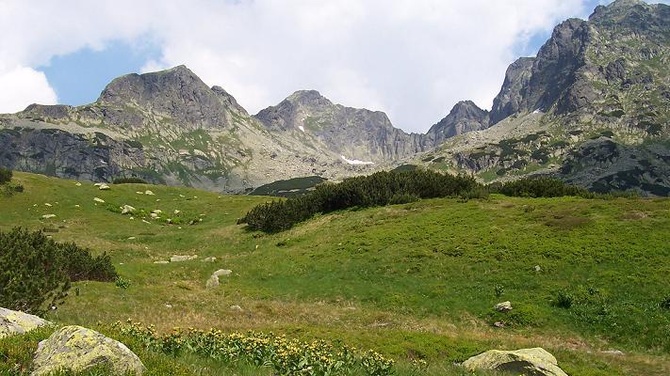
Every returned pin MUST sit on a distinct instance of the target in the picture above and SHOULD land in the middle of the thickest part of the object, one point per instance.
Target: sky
(413, 59)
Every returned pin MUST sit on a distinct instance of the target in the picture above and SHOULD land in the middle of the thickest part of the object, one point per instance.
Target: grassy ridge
(410, 281)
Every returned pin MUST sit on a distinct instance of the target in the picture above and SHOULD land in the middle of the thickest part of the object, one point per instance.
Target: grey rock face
(358, 134)
(508, 101)
(16, 322)
(464, 117)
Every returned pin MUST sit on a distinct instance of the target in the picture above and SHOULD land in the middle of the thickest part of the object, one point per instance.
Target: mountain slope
(593, 107)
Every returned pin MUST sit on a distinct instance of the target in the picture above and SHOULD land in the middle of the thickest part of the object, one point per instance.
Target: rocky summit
(592, 108)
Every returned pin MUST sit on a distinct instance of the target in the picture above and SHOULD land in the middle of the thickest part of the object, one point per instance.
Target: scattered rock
(77, 206)
(538, 268)
(236, 308)
(213, 280)
(98, 199)
(209, 259)
(503, 307)
(17, 322)
(180, 258)
(613, 352)
(148, 193)
(127, 209)
(161, 262)
(97, 184)
(131, 238)
(168, 305)
(47, 204)
(154, 215)
(47, 216)
(499, 324)
(536, 362)
(147, 222)
(222, 272)
(78, 184)
(139, 193)
(77, 348)
(177, 212)
(104, 187)
(157, 211)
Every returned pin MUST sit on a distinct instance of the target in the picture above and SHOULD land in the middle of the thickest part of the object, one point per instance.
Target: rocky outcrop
(76, 348)
(357, 134)
(464, 117)
(508, 101)
(536, 362)
(17, 322)
(175, 92)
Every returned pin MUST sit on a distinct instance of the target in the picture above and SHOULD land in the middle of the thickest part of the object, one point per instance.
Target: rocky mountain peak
(508, 101)
(309, 98)
(464, 117)
(176, 92)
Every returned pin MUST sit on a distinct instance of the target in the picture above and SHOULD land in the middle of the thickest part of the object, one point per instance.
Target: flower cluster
(285, 356)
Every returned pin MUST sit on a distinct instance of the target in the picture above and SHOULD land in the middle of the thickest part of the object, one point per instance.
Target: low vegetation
(414, 282)
(36, 272)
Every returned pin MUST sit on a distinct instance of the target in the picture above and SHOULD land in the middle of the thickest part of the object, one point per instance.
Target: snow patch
(301, 128)
(538, 111)
(355, 161)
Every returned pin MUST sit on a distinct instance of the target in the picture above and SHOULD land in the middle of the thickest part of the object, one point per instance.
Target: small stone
(139, 193)
(77, 206)
(612, 352)
(503, 307)
(538, 268)
(104, 187)
(47, 216)
(145, 221)
(148, 193)
(78, 184)
(212, 281)
(181, 258)
(157, 211)
(236, 308)
(161, 262)
(222, 272)
(98, 199)
(168, 305)
(177, 212)
(209, 259)
(499, 324)
(47, 204)
(131, 238)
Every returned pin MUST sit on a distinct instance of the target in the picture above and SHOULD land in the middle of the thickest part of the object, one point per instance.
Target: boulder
(503, 307)
(536, 362)
(180, 258)
(213, 280)
(17, 322)
(77, 348)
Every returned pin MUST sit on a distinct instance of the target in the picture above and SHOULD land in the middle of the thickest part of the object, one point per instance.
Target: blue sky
(413, 59)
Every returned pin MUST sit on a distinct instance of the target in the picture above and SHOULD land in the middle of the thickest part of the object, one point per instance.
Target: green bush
(539, 186)
(5, 175)
(378, 189)
(36, 271)
(129, 180)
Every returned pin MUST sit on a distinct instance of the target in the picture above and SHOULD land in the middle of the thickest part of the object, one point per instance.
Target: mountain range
(592, 108)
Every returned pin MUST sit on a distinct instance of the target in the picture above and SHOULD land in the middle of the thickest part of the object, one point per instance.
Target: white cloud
(21, 86)
(413, 59)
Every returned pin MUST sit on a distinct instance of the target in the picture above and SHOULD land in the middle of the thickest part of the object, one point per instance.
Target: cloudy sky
(413, 59)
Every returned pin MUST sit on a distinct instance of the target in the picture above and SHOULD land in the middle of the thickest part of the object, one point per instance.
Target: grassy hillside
(413, 281)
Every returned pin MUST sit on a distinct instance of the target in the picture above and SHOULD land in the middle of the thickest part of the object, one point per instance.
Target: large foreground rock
(77, 348)
(530, 362)
(16, 322)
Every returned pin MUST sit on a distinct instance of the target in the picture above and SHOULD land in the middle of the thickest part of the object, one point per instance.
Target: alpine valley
(592, 108)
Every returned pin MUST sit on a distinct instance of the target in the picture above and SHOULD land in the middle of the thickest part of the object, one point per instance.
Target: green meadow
(414, 282)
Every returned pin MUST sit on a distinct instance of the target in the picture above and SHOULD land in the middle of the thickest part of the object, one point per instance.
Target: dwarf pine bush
(36, 271)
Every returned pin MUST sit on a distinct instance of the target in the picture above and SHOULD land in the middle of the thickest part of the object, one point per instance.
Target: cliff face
(593, 107)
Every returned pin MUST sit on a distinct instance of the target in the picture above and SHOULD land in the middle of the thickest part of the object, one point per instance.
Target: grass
(414, 281)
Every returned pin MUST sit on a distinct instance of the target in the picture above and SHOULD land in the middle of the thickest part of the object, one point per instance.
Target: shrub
(540, 186)
(378, 189)
(563, 299)
(5, 175)
(35, 270)
(130, 180)
(665, 303)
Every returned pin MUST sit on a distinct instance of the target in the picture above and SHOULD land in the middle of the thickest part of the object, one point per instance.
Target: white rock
(78, 184)
(503, 307)
(209, 259)
(126, 209)
(140, 193)
(236, 308)
(177, 212)
(104, 187)
(157, 211)
(222, 272)
(161, 262)
(180, 258)
(47, 216)
(536, 361)
(47, 204)
(149, 193)
(98, 199)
